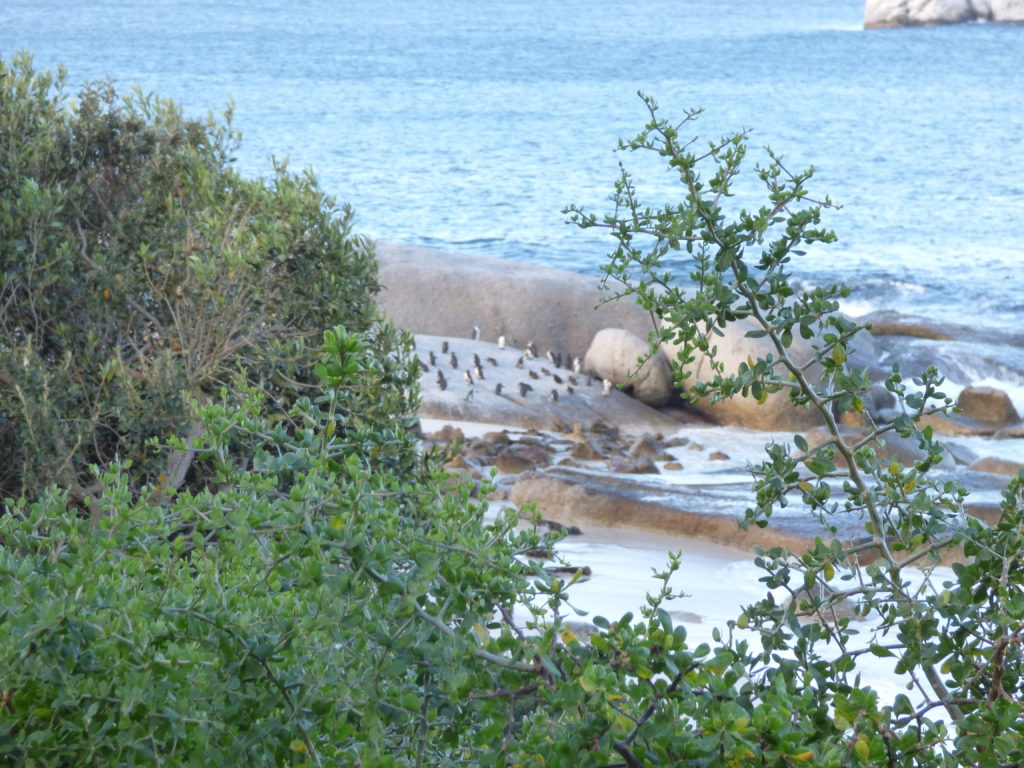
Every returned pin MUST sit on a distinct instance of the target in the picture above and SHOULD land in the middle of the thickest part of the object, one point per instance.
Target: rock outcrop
(519, 391)
(447, 294)
(882, 14)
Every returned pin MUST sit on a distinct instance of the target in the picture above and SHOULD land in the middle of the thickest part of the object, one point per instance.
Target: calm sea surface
(469, 126)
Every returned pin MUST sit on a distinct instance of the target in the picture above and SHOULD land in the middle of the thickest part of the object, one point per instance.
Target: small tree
(957, 640)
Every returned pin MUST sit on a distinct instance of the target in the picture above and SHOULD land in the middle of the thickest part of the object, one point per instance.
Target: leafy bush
(138, 271)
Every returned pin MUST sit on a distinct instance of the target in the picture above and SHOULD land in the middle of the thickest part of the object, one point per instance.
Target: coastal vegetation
(222, 545)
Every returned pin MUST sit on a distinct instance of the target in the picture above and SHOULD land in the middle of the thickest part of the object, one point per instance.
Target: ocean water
(469, 126)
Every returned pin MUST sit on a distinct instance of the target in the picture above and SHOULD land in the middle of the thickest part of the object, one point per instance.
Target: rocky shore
(590, 442)
(883, 14)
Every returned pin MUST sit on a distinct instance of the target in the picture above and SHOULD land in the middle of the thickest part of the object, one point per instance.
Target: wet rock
(588, 449)
(629, 501)
(987, 404)
(512, 463)
(676, 442)
(995, 466)
(639, 466)
(496, 438)
(889, 323)
(956, 425)
(614, 354)
(447, 434)
(673, 466)
(482, 450)
(961, 454)
(718, 456)
(647, 445)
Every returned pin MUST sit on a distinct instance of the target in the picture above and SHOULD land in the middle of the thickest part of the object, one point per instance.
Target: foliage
(323, 594)
(136, 266)
(955, 635)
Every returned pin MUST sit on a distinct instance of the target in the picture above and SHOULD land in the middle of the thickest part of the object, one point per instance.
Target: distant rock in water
(882, 14)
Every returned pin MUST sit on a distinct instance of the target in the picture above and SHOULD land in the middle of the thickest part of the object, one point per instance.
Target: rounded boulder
(616, 354)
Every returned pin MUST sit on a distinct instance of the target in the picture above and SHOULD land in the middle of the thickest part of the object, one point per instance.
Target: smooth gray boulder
(613, 355)
(447, 294)
(987, 404)
(883, 14)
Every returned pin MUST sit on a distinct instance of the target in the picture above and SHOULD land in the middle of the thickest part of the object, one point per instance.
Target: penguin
(531, 350)
(550, 356)
(558, 360)
(444, 347)
(423, 366)
(469, 395)
(524, 388)
(476, 333)
(442, 382)
(553, 397)
(557, 378)
(454, 361)
(501, 342)
(577, 365)
(607, 383)
(468, 377)
(431, 357)
(545, 371)
(572, 380)
(533, 374)
(491, 361)
(497, 388)
(476, 360)
(479, 372)
(569, 390)
(519, 362)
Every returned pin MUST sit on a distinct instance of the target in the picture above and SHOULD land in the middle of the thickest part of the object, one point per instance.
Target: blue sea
(469, 126)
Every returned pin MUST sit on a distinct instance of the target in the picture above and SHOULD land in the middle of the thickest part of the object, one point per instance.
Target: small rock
(676, 442)
(587, 450)
(987, 404)
(496, 438)
(647, 445)
(481, 449)
(674, 466)
(718, 456)
(640, 466)
(447, 434)
(510, 463)
(995, 466)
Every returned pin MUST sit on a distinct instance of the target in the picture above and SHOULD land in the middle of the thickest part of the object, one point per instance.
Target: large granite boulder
(446, 294)
(734, 348)
(881, 14)
(613, 355)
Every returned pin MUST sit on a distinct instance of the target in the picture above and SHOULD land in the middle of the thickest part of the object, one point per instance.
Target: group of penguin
(475, 375)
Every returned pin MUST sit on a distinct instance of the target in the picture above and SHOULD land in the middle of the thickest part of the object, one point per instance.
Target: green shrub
(138, 271)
